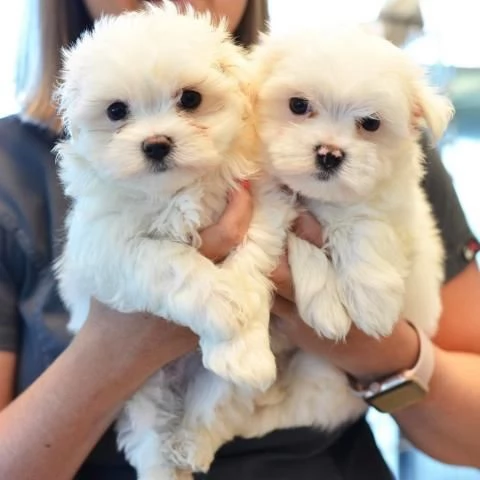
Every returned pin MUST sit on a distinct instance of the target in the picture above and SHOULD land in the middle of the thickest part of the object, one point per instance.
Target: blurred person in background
(58, 396)
(400, 20)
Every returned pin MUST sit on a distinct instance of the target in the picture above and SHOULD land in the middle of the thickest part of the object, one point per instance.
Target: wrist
(403, 387)
(120, 347)
(132, 345)
(367, 359)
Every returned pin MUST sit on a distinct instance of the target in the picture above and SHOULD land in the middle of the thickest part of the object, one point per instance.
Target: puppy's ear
(265, 55)
(432, 109)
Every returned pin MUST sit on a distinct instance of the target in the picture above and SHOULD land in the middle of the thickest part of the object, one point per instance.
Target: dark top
(33, 319)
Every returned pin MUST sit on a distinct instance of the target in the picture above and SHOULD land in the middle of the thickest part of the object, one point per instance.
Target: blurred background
(441, 35)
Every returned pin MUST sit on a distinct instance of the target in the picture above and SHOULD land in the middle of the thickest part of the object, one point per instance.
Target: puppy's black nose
(329, 157)
(157, 148)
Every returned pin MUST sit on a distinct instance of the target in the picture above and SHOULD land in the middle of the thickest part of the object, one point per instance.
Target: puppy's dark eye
(299, 106)
(117, 111)
(370, 124)
(190, 100)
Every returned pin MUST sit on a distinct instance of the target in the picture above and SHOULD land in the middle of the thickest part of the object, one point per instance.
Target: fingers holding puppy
(307, 227)
(219, 239)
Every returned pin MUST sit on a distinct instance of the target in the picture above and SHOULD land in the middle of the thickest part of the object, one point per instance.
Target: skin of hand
(359, 353)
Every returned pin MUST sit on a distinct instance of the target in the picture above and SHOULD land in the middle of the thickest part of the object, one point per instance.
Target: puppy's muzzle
(328, 158)
(156, 150)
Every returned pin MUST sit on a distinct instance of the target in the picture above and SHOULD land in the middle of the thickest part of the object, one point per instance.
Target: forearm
(49, 430)
(58, 420)
(446, 424)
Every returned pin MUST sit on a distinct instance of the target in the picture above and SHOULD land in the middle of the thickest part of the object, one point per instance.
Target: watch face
(398, 397)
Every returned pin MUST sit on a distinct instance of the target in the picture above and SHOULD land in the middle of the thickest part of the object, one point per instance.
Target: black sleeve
(9, 320)
(449, 215)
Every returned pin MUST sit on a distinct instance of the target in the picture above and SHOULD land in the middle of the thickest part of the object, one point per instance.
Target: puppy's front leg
(316, 294)
(174, 281)
(249, 353)
(371, 267)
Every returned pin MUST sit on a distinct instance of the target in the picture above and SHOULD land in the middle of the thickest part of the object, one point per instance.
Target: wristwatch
(402, 389)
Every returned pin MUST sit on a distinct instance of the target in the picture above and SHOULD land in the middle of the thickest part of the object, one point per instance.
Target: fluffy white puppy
(340, 115)
(159, 128)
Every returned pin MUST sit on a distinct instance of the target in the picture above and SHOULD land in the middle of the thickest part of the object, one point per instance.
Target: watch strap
(422, 371)
(403, 388)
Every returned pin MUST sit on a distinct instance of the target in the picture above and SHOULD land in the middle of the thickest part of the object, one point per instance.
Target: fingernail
(245, 184)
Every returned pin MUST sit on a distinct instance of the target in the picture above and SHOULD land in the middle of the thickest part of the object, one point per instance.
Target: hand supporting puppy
(157, 341)
(358, 276)
(359, 354)
(175, 281)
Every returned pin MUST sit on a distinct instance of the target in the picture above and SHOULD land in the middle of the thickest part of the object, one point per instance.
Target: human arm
(7, 373)
(445, 424)
(61, 416)
(56, 421)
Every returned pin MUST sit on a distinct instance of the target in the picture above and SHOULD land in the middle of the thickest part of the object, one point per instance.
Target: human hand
(360, 355)
(147, 342)
(306, 227)
(219, 239)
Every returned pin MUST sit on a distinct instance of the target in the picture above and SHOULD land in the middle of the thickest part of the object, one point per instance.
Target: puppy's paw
(191, 452)
(246, 361)
(226, 311)
(374, 310)
(325, 313)
(317, 298)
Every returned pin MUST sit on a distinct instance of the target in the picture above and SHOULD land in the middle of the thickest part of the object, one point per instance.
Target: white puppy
(340, 115)
(159, 128)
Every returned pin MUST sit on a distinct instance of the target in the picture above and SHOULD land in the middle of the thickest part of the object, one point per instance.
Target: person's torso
(32, 203)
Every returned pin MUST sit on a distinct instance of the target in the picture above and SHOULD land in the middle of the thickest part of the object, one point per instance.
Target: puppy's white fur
(132, 233)
(382, 258)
